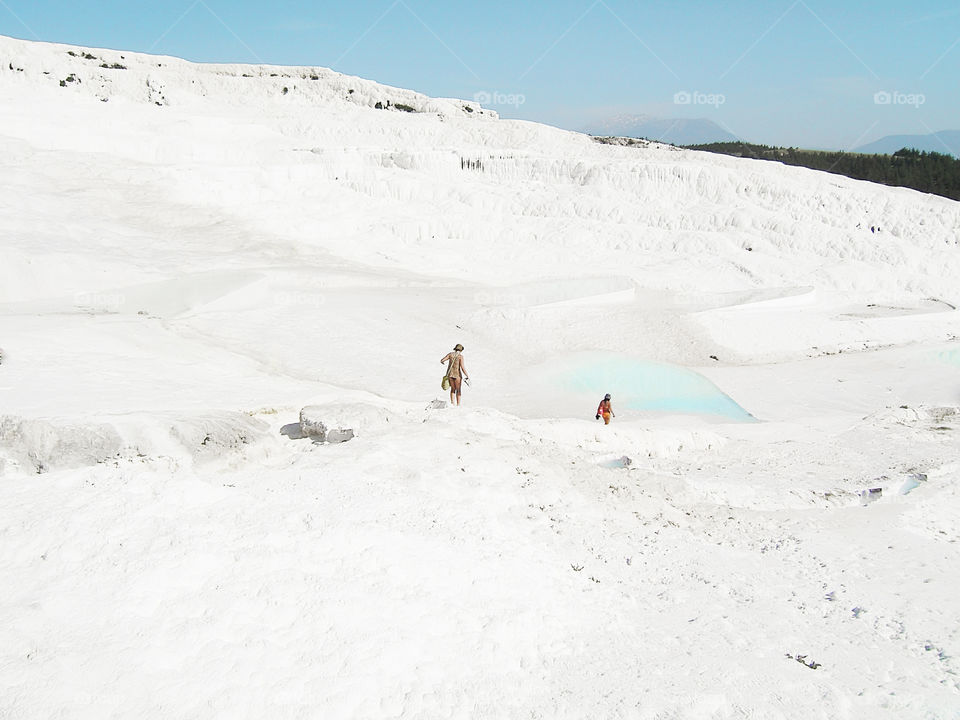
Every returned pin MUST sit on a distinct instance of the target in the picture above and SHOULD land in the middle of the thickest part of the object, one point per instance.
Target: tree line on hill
(928, 172)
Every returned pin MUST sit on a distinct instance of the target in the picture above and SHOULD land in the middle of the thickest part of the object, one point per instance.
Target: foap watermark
(299, 299)
(100, 699)
(488, 99)
(501, 299)
(685, 97)
(885, 97)
(99, 301)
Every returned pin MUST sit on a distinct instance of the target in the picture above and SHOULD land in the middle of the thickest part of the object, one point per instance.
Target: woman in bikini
(456, 372)
(605, 409)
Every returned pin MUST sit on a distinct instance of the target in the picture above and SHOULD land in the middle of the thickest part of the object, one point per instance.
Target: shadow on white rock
(339, 435)
(41, 445)
(215, 435)
(338, 422)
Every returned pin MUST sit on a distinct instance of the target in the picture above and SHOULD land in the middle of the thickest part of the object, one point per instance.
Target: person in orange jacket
(605, 409)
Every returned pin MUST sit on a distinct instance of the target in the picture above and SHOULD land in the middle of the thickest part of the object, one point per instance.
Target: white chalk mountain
(190, 255)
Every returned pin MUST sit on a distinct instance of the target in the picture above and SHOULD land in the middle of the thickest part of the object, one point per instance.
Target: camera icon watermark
(685, 97)
(885, 97)
(495, 97)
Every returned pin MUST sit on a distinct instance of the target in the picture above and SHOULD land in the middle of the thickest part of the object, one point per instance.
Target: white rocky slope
(189, 255)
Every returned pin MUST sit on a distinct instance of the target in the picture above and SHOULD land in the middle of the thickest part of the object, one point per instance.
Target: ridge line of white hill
(162, 80)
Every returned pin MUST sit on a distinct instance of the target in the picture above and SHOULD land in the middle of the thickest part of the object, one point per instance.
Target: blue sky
(811, 73)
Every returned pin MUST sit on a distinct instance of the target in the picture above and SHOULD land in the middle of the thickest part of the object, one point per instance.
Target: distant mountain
(945, 141)
(676, 131)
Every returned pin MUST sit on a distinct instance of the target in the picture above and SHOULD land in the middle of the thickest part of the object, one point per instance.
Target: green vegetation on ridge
(928, 172)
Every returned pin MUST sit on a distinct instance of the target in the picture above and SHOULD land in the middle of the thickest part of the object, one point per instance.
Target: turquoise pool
(951, 357)
(646, 386)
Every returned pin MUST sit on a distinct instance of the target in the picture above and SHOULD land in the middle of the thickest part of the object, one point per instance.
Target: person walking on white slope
(605, 409)
(456, 372)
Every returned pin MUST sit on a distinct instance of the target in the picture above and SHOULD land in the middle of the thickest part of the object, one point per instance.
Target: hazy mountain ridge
(944, 141)
(674, 131)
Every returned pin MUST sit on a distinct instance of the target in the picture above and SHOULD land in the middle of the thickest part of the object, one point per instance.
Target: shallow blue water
(910, 484)
(642, 385)
(951, 357)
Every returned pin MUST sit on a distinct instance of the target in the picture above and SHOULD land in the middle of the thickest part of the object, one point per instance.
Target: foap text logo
(685, 97)
(885, 97)
(99, 301)
(299, 299)
(502, 299)
(490, 98)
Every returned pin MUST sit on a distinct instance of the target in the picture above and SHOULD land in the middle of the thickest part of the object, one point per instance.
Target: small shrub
(379, 105)
(71, 53)
(88, 56)
(286, 90)
(468, 108)
(350, 91)
(115, 66)
(405, 108)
